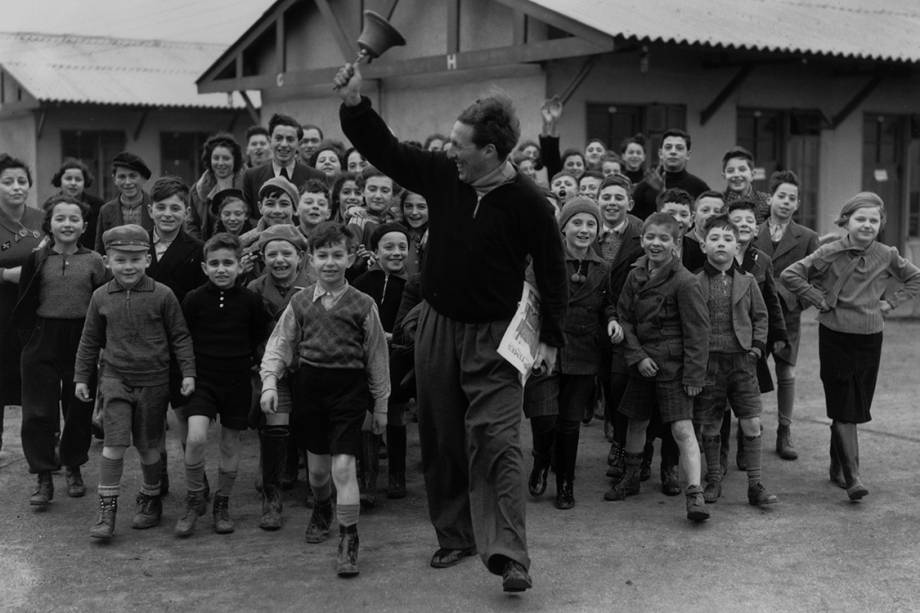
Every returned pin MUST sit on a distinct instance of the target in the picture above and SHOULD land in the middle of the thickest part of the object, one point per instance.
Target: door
(885, 140)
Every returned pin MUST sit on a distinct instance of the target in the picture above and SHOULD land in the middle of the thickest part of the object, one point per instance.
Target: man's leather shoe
(445, 558)
(515, 578)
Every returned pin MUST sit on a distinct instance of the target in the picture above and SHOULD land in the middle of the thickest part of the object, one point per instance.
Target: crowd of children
(279, 292)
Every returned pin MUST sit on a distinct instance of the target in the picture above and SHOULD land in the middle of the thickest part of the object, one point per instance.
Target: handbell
(377, 36)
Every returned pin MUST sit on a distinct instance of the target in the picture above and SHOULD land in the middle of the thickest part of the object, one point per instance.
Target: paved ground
(815, 551)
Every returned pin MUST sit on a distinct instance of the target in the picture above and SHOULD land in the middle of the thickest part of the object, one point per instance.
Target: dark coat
(585, 324)
(797, 242)
(758, 264)
(255, 177)
(180, 267)
(665, 318)
(110, 216)
(630, 251)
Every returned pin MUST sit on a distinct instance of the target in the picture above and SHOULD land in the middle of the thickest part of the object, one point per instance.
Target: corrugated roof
(886, 30)
(105, 70)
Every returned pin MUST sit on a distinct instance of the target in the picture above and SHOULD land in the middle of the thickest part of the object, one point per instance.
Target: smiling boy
(666, 327)
(284, 133)
(313, 207)
(673, 157)
(130, 173)
(139, 323)
(385, 284)
(737, 339)
(227, 324)
(331, 335)
(738, 172)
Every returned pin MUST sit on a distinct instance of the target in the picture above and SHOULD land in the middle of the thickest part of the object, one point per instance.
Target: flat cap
(129, 237)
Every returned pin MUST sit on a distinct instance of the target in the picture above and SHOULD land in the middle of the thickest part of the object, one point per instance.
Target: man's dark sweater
(477, 250)
(645, 193)
(227, 326)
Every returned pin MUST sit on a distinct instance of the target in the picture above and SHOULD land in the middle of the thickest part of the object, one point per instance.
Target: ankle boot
(105, 521)
(836, 467)
(566, 449)
(44, 493)
(320, 522)
(712, 447)
(222, 522)
(848, 449)
(565, 494)
(396, 462)
(696, 505)
(543, 435)
(75, 485)
(629, 484)
(370, 462)
(273, 445)
(347, 561)
(147, 512)
(616, 458)
(271, 508)
(784, 446)
(195, 507)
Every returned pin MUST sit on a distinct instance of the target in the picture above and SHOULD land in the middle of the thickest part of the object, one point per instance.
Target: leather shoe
(445, 558)
(515, 578)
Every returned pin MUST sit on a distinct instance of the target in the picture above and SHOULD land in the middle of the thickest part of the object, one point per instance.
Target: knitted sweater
(478, 246)
(852, 281)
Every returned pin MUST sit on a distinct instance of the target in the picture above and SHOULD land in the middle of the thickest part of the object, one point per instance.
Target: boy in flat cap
(140, 324)
(130, 205)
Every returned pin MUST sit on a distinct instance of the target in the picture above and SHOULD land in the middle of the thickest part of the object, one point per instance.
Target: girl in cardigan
(57, 283)
(848, 282)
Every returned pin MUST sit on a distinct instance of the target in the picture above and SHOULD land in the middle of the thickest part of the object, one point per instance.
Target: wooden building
(90, 97)
(828, 88)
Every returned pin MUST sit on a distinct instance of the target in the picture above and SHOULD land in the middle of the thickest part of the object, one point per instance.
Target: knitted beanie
(579, 204)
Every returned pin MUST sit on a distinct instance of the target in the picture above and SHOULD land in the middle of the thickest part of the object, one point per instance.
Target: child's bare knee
(343, 468)
(750, 426)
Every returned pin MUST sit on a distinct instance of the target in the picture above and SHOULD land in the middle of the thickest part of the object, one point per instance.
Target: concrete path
(815, 551)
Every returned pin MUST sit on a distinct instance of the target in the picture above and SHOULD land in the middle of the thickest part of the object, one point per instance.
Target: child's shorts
(227, 394)
(330, 405)
(135, 414)
(644, 396)
(731, 378)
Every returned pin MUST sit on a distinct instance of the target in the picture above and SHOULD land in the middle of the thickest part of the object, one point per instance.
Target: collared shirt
(276, 168)
(281, 350)
(329, 297)
(777, 230)
(160, 245)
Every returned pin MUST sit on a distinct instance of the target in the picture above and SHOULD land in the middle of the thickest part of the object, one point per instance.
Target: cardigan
(479, 246)
(849, 281)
